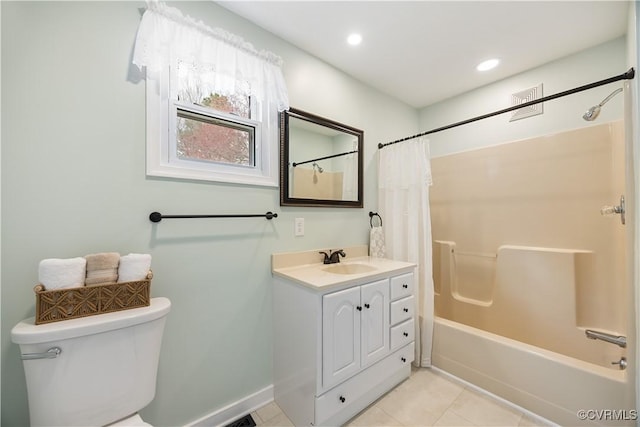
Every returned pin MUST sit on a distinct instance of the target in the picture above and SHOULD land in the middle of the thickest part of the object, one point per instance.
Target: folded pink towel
(56, 273)
(102, 268)
(134, 267)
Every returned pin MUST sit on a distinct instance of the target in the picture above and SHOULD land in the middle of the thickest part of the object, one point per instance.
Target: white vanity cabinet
(339, 348)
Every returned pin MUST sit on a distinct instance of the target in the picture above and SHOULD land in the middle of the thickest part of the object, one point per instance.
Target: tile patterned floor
(427, 398)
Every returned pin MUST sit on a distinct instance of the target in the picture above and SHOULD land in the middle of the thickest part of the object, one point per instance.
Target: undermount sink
(354, 268)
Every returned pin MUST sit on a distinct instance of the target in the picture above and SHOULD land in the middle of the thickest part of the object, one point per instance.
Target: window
(213, 137)
(212, 101)
(209, 137)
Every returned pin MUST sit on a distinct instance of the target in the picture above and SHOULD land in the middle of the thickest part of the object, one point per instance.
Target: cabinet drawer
(339, 398)
(352, 391)
(407, 354)
(402, 334)
(402, 310)
(401, 286)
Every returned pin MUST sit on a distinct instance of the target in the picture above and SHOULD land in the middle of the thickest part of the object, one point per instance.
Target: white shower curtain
(350, 176)
(404, 177)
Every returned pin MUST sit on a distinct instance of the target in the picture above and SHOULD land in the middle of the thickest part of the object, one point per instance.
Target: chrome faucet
(333, 257)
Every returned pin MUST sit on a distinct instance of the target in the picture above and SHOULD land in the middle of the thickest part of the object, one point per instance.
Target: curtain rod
(294, 164)
(624, 76)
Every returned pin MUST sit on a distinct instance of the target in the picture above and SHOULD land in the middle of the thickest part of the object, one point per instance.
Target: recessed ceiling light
(354, 39)
(488, 64)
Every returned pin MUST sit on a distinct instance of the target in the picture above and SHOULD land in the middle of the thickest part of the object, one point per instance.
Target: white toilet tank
(105, 371)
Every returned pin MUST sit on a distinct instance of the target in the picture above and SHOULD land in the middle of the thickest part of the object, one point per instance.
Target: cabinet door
(340, 335)
(375, 321)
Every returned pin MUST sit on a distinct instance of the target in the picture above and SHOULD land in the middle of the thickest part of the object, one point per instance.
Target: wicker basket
(72, 303)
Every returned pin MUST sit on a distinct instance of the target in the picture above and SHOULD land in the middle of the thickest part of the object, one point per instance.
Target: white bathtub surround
(404, 177)
(485, 291)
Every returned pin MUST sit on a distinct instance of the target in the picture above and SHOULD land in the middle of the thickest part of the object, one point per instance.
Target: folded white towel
(134, 267)
(376, 243)
(56, 273)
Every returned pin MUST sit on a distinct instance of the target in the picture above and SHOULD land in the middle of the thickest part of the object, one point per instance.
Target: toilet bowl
(92, 371)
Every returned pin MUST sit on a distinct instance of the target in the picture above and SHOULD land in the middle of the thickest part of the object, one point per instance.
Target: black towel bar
(157, 216)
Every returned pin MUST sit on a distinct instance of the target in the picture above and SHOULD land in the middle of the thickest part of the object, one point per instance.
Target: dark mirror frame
(285, 198)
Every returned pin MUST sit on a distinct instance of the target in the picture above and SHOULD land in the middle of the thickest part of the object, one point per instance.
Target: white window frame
(161, 141)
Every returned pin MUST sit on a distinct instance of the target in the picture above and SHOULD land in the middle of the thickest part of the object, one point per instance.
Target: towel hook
(371, 215)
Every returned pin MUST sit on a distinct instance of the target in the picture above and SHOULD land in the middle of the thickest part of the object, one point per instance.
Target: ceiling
(422, 52)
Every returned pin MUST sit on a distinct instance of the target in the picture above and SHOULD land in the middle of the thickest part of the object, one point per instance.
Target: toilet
(92, 371)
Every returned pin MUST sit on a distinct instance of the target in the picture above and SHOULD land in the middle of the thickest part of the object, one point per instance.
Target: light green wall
(73, 183)
(597, 63)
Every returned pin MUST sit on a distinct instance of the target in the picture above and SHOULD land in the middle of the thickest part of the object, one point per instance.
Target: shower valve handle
(622, 363)
(612, 210)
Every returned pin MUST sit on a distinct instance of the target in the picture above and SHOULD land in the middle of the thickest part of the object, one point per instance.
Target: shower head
(315, 165)
(593, 112)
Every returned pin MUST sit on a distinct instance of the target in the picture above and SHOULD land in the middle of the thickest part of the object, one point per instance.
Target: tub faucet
(613, 339)
(333, 257)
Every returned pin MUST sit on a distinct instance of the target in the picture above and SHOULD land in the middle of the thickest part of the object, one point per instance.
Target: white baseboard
(235, 410)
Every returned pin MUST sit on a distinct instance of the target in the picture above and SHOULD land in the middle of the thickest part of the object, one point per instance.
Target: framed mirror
(320, 161)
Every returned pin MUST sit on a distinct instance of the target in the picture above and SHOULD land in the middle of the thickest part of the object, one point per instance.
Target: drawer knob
(406, 334)
(406, 310)
(342, 399)
(367, 306)
(403, 359)
(359, 308)
(404, 285)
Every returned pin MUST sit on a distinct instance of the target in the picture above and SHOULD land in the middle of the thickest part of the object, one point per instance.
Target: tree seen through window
(211, 139)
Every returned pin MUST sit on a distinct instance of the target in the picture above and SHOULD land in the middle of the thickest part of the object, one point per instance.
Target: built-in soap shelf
(472, 277)
(469, 276)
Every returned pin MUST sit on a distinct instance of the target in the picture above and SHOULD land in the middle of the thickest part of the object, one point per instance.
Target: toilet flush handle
(52, 353)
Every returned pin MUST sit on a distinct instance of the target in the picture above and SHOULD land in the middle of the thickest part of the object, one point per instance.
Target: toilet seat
(134, 420)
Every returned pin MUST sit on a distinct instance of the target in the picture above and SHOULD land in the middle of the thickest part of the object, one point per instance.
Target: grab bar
(613, 339)
(52, 353)
(476, 254)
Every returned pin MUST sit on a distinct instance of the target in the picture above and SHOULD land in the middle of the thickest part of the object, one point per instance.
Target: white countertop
(296, 267)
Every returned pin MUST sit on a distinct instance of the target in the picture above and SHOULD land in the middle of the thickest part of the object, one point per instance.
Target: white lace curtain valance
(221, 62)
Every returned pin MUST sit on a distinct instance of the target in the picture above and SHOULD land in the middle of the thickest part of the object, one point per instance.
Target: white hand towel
(134, 267)
(376, 243)
(56, 273)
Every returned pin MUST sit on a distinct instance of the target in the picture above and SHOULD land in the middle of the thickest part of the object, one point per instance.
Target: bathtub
(552, 385)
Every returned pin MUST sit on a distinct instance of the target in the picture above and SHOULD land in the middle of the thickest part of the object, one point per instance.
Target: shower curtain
(404, 177)
(350, 176)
